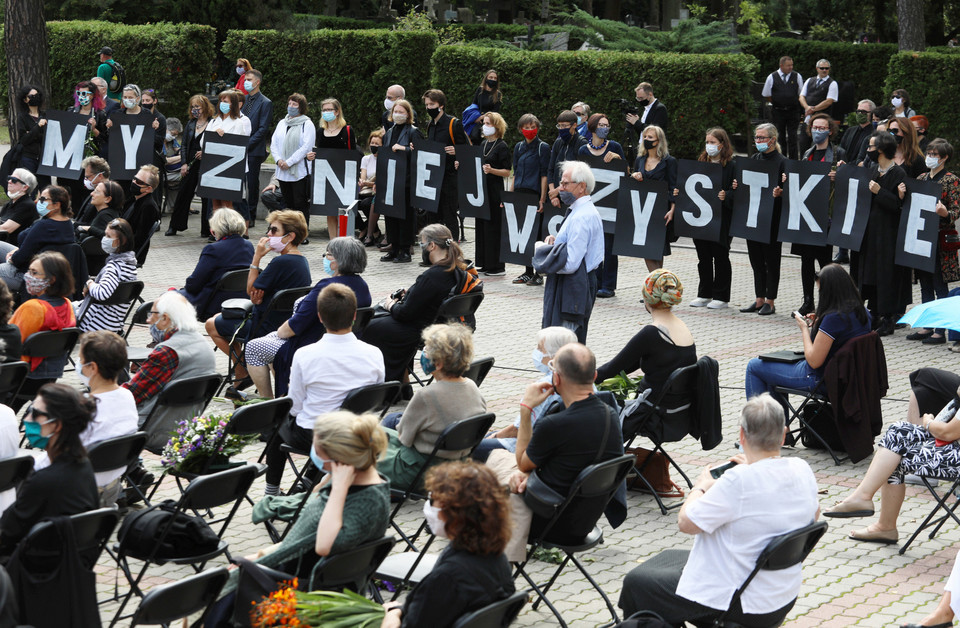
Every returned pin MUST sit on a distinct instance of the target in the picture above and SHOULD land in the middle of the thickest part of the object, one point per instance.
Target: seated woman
(229, 252)
(50, 280)
(54, 422)
(447, 353)
(468, 507)
(549, 341)
(928, 448)
(343, 261)
(286, 230)
(107, 199)
(20, 211)
(121, 265)
(54, 228)
(398, 335)
(102, 357)
(949, 605)
(840, 316)
(658, 349)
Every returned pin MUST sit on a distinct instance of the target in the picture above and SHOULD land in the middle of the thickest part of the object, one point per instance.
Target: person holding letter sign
(447, 130)
(597, 128)
(934, 285)
(31, 129)
(336, 134)
(228, 120)
(496, 167)
(765, 257)
(399, 139)
(565, 148)
(200, 113)
(654, 163)
(531, 160)
(131, 107)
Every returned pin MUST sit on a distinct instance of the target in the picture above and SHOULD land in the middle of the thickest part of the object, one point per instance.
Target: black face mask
(33, 100)
(872, 155)
(425, 255)
(433, 112)
(135, 188)
(899, 138)
(374, 149)
(644, 102)
(492, 84)
(148, 107)
(648, 144)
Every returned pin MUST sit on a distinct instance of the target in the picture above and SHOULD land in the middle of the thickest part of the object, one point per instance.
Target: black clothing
(933, 388)
(563, 151)
(66, 487)
(441, 131)
(344, 139)
(31, 135)
(12, 344)
(713, 265)
(657, 117)
(665, 170)
(459, 583)
(296, 195)
(651, 351)
(400, 230)
(809, 253)
(915, 167)
(141, 214)
(484, 101)
(765, 258)
(189, 147)
(816, 94)
(855, 139)
(786, 114)
(289, 433)
(882, 281)
(787, 123)
(497, 155)
(99, 223)
(22, 211)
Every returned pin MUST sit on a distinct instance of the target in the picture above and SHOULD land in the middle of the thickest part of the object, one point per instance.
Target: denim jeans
(764, 376)
(932, 286)
(391, 420)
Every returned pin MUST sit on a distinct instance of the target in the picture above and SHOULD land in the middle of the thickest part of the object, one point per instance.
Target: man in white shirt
(733, 519)
(654, 112)
(818, 94)
(782, 91)
(323, 373)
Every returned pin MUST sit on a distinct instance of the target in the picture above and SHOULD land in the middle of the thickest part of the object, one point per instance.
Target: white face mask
(400, 118)
(932, 162)
(84, 378)
(489, 131)
(432, 515)
(388, 104)
(538, 364)
(713, 149)
(14, 195)
(897, 102)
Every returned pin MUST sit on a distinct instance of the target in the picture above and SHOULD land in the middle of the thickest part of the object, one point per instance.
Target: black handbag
(188, 535)
(236, 309)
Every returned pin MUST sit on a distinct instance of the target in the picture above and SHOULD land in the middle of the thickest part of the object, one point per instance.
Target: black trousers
(821, 255)
(449, 207)
(765, 261)
(400, 230)
(296, 195)
(787, 121)
(293, 435)
(933, 388)
(253, 183)
(713, 266)
(488, 240)
(181, 208)
(537, 224)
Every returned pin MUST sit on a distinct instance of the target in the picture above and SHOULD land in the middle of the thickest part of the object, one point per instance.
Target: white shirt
(324, 372)
(582, 230)
(833, 92)
(747, 507)
(237, 126)
(369, 164)
(9, 447)
(768, 84)
(308, 139)
(646, 110)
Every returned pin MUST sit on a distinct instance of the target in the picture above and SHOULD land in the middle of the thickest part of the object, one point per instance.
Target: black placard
(606, 192)
(552, 219)
(471, 183)
(428, 162)
(130, 144)
(753, 201)
(63, 144)
(697, 214)
(641, 211)
(851, 207)
(919, 226)
(391, 198)
(223, 167)
(518, 232)
(806, 203)
(334, 180)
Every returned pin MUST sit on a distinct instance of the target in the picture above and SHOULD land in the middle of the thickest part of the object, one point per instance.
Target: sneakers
(524, 278)
(716, 305)
(700, 302)
(496, 272)
(536, 280)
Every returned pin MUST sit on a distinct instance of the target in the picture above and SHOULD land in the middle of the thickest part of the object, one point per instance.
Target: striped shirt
(119, 267)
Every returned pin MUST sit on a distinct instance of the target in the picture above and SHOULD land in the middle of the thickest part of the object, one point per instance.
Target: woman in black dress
(336, 134)
(496, 167)
(200, 112)
(398, 139)
(31, 129)
(654, 163)
(487, 98)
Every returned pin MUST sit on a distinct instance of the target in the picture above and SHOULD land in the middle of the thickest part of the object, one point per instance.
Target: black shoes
(935, 340)
(753, 307)
(806, 307)
(886, 327)
(767, 310)
(403, 257)
(389, 257)
(841, 258)
(170, 232)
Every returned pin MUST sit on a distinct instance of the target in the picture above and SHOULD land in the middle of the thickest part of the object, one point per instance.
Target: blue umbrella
(934, 314)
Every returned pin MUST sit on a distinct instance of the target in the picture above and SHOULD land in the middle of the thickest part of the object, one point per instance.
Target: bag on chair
(188, 536)
(656, 472)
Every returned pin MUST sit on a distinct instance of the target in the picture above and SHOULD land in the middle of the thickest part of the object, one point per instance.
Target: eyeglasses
(566, 183)
(862, 111)
(760, 138)
(821, 128)
(83, 93)
(44, 199)
(826, 68)
(15, 180)
(561, 127)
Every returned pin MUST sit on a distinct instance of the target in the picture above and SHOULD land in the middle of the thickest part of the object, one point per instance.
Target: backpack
(188, 536)
(118, 79)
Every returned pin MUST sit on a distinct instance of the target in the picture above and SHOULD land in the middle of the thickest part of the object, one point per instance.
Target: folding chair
(126, 293)
(364, 316)
(781, 552)
(190, 395)
(459, 308)
(496, 615)
(12, 376)
(42, 545)
(181, 598)
(230, 282)
(352, 568)
(121, 452)
(941, 503)
(14, 470)
(478, 370)
(591, 491)
(46, 345)
(139, 319)
(144, 247)
(203, 493)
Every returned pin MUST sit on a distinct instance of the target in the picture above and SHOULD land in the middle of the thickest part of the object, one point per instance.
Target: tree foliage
(689, 36)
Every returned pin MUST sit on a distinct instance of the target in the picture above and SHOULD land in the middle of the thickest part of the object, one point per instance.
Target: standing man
(818, 94)
(394, 93)
(446, 130)
(566, 148)
(109, 106)
(654, 112)
(582, 111)
(259, 109)
(570, 260)
(782, 90)
(108, 72)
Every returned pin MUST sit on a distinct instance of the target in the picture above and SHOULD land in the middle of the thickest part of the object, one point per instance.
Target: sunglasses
(15, 180)
(44, 199)
(36, 414)
(83, 93)
(142, 183)
(823, 68)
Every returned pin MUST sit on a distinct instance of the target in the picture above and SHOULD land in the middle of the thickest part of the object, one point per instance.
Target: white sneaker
(699, 302)
(716, 305)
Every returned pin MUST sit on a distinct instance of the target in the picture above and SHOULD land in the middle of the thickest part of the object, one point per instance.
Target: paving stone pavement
(845, 583)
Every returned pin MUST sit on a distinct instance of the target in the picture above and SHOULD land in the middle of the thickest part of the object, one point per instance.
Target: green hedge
(355, 67)
(700, 91)
(930, 79)
(865, 64)
(309, 20)
(174, 59)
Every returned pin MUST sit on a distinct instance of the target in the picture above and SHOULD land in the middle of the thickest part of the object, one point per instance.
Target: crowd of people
(49, 231)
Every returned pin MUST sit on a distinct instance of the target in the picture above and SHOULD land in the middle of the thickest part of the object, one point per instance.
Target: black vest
(783, 94)
(816, 95)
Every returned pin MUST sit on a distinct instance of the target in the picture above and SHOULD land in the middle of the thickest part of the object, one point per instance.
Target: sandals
(849, 509)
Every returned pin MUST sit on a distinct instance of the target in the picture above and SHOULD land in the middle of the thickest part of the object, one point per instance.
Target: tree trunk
(25, 44)
(910, 25)
(544, 11)
(588, 6)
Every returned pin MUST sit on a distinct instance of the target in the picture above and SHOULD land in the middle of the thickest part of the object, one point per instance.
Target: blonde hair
(406, 105)
(451, 345)
(662, 149)
(337, 108)
(498, 122)
(771, 130)
(348, 438)
(292, 221)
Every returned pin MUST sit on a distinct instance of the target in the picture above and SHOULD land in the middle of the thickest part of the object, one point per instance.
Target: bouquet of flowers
(198, 439)
(623, 387)
(328, 609)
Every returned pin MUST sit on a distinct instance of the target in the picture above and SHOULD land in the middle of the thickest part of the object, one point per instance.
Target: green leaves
(929, 78)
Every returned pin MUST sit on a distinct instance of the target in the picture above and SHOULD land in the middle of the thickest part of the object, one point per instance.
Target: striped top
(119, 267)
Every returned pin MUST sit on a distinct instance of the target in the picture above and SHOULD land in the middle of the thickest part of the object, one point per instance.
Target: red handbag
(949, 240)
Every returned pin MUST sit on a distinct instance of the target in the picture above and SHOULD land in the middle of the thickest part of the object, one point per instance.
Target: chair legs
(658, 448)
(797, 413)
(541, 595)
(949, 511)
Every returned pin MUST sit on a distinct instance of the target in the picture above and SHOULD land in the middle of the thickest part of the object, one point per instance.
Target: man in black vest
(818, 94)
(782, 90)
(446, 130)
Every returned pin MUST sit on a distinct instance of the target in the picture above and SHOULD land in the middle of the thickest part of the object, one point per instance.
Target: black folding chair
(181, 598)
(941, 500)
(479, 369)
(364, 316)
(781, 552)
(496, 615)
(46, 345)
(92, 530)
(144, 247)
(191, 395)
(204, 493)
(121, 452)
(139, 319)
(14, 470)
(460, 308)
(352, 568)
(12, 376)
(230, 282)
(126, 293)
(590, 493)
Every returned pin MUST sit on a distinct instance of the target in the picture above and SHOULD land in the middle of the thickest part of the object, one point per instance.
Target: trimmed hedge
(865, 64)
(174, 59)
(355, 67)
(929, 78)
(700, 91)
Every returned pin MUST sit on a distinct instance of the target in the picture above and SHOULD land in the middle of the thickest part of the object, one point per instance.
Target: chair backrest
(496, 615)
(142, 249)
(282, 303)
(682, 382)
(78, 264)
(91, 529)
(479, 369)
(230, 281)
(459, 307)
(115, 453)
(217, 489)
(125, 292)
(352, 567)
(51, 344)
(465, 433)
(371, 398)
(166, 603)
(140, 316)
(364, 316)
(189, 391)
(259, 417)
(12, 375)
(91, 247)
(14, 470)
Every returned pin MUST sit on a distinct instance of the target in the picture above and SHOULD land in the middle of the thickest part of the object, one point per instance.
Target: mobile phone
(397, 294)
(716, 472)
(796, 313)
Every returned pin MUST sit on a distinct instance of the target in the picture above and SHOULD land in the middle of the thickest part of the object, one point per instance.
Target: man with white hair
(733, 518)
(109, 105)
(818, 94)
(181, 352)
(569, 261)
(394, 93)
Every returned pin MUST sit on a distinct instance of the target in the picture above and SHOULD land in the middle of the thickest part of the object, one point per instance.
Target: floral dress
(947, 261)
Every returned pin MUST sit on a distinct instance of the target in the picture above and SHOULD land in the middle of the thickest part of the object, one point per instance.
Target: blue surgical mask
(328, 116)
(712, 149)
(602, 132)
(158, 335)
(316, 459)
(762, 146)
(248, 86)
(31, 430)
(567, 198)
(328, 266)
(427, 364)
(579, 119)
(293, 112)
(43, 208)
(106, 243)
(129, 103)
(931, 162)
(224, 107)
(538, 364)
(819, 135)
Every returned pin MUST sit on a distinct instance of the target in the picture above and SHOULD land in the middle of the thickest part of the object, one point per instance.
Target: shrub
(929, 78)
(699, 91)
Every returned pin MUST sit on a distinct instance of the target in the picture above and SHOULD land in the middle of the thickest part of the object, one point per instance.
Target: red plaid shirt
(153, 374)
